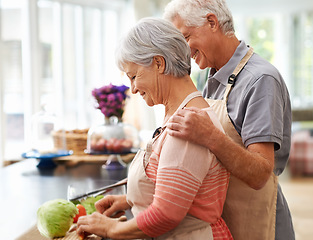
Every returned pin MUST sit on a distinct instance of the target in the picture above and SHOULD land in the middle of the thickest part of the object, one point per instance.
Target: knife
(100, 191)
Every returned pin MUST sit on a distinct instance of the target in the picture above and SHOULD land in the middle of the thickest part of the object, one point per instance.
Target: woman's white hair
(155, 37)
(193, 13)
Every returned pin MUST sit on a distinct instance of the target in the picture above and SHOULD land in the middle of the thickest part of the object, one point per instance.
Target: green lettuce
(89, 203)
(55, 217)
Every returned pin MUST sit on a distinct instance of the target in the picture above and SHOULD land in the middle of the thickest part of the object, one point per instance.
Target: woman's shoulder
(198, 102)
(213, 117)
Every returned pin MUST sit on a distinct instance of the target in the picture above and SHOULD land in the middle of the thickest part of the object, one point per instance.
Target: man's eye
(133, 78)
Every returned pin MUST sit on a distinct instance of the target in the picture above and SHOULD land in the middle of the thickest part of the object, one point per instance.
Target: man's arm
(253, 164)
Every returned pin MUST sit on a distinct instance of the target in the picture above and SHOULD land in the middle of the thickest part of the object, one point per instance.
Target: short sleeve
(263, 107)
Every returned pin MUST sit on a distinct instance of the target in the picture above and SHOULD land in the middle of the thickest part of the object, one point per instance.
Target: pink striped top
(188, 180)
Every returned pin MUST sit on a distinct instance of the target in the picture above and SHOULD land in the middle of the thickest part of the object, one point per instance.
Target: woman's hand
(112, 205)
(103, 226)
(95, 223)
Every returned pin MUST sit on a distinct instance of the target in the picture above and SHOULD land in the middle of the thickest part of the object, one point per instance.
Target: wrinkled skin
(108, 221)
(252, 165)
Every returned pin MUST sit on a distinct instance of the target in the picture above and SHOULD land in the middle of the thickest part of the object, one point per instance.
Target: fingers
(176, 118)
(173, 126)
(82, 227)
(96, 223)
(185, 123)
(111, 212)
(103, 204)
(82, 220)
(181, 115)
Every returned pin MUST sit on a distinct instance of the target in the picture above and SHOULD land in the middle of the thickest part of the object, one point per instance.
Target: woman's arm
(252, 165)
(177, 182)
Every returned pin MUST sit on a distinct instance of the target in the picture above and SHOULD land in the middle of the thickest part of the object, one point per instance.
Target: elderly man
(252, 102)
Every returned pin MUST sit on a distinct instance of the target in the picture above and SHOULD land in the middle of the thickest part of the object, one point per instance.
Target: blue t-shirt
(260, 110)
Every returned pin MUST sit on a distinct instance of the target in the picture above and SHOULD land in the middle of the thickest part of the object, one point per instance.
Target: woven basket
(75, 140)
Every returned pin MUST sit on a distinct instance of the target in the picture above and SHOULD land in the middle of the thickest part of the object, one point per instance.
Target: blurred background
(53, 53)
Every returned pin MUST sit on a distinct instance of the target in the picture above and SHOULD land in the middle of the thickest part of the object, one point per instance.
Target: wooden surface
(93, 158)
(83, 158)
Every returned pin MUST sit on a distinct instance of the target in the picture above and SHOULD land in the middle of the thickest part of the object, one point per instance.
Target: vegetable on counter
(55, 217)
(89, 203)
(81, 212)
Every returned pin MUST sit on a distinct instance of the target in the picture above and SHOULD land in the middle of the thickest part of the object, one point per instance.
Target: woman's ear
(213, 22)
(160, 63)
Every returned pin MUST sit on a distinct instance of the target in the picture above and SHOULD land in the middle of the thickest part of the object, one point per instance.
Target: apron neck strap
(233, 76)
(189, 98)
(183, 104)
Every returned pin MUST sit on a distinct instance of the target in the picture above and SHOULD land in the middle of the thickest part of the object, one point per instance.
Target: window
(55, 53)
(11, 97)
(285, 40)
(302, 60)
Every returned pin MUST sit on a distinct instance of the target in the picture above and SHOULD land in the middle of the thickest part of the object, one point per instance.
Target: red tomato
(100, 145)
(81, 212)
(110, 144)
(127, 145)
(117, 146)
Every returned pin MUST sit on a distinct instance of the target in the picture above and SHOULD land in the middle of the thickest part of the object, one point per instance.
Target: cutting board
(33, 234)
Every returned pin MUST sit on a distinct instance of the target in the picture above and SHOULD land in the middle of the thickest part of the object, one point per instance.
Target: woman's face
(145, 81)
(199, 39)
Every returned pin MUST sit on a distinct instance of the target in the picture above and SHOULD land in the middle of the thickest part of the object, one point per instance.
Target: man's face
(199, 41)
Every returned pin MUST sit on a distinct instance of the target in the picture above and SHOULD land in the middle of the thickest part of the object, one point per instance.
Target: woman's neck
(176, 94)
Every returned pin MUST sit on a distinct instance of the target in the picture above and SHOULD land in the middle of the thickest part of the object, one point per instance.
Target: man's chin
(202, 66)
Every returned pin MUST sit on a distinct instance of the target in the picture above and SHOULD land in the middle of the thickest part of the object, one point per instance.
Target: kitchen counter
(24, 187)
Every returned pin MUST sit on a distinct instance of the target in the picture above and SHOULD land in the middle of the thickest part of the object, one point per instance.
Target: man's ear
(160, 63)
(213, 22)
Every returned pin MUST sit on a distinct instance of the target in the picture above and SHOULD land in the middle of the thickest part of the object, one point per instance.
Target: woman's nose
(133, 88)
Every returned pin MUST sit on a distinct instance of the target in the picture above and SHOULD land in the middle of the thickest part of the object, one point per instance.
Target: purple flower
(111, 99)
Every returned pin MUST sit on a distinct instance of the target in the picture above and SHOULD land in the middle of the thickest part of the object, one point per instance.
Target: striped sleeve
(178, 169)
(174, 194)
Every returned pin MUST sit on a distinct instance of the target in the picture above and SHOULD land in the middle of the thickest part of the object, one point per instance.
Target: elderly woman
(176, 189)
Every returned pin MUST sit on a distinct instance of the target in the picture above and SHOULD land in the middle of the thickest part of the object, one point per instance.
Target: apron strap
(159, 130)
(233, 76)
(183, 104)
(189, 98)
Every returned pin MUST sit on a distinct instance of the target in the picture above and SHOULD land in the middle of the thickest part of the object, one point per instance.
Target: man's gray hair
(155, 37)
(193, 13)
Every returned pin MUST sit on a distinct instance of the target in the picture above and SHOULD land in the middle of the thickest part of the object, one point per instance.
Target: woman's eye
(133, 78)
